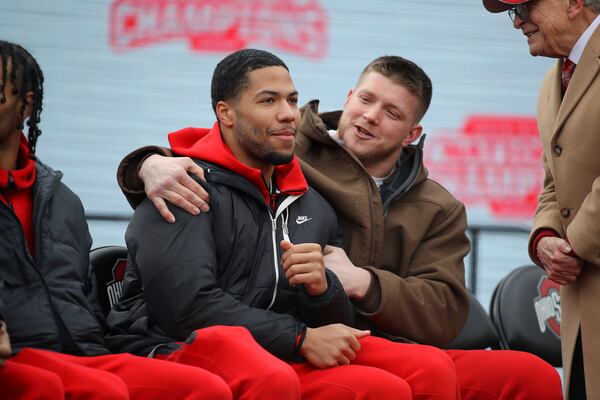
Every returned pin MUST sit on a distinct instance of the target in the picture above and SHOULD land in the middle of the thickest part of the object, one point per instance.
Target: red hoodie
(207, 145)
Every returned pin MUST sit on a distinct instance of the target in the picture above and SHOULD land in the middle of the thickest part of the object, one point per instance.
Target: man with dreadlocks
(47, 296)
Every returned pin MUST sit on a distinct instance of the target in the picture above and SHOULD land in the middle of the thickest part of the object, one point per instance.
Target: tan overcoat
(570, 200)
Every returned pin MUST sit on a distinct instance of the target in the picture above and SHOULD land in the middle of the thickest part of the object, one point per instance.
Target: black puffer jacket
(49, 302)
(222, 268)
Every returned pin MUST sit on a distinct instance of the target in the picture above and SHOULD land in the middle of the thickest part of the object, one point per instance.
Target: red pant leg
(147, 378)
(506, 375)
(79, 382)
(126, 376)
(350, 382)
(428, 370)
(25, 382)
(232, 353)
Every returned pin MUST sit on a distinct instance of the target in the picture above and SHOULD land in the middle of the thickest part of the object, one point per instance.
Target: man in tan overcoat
(565, 239)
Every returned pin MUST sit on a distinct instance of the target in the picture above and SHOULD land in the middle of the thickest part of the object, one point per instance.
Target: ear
(225, 114)
(25, 108)
(348, 97)
(574, 8)
(413, 135)
(28, 105)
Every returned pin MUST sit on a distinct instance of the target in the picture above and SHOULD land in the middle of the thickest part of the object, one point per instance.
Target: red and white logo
(114, 288)
(295, 26)
(547, 306)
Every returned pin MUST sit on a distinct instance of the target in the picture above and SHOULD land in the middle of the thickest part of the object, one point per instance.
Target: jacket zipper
(283, 206)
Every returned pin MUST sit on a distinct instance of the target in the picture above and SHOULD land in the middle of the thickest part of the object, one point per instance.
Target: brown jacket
(570, 201)
(413, 243)
(413, 240)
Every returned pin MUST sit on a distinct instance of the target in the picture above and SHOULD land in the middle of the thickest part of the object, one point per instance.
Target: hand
(331, 345)
(5, 350)
(166, 178)
(561, 267)
(303, 265)
(355, 280)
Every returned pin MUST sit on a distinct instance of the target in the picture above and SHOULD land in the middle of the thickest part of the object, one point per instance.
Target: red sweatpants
(40, 374)
(381, 370)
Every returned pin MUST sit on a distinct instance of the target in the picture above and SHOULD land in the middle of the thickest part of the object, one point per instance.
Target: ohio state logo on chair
(109, 264)
(525, 308)
(547, 306)
(114, 288)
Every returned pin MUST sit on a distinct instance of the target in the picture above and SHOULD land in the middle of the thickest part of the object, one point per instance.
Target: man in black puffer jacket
(47, 295)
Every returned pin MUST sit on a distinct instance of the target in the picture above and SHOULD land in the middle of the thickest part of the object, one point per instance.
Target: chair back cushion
(525, 308)
(479, 331)
(109, 265)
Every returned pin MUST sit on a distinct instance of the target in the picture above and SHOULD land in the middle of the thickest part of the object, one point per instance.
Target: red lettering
(296, 26)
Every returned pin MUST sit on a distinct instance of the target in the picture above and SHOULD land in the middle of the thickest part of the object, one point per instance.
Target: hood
(24, 176)
(207, 145)
(410, 171)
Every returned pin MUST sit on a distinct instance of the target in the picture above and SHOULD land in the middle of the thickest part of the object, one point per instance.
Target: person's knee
(51, 386)
(101, 389)
(192, 383)
(527, 373)
(276, 380)
(437, 363)
(21, 381)
(383, 385)
(436, 370)
(356, 382)
(220, 333)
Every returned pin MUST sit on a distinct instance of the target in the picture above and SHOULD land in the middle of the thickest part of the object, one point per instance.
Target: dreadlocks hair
(25, 76)
(231, 74)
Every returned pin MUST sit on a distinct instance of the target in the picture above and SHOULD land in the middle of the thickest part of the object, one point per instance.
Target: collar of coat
(207, 145)
(24, 176)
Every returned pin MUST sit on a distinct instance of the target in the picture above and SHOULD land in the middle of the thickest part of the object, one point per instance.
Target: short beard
(277, 158)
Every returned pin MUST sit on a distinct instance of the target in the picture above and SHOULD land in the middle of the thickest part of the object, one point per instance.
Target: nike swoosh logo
(301, 220)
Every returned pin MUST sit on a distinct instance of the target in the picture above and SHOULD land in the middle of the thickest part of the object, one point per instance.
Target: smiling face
(260, 124)
(549, 29)
(380, 117)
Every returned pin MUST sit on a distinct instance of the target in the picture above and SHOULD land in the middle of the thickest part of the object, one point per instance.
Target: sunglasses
(521, 11)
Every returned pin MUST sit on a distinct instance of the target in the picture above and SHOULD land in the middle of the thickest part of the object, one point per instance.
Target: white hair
(594, 5)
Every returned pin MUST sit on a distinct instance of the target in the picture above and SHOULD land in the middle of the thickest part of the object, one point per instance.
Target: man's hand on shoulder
(556, 256)
(303, 265)
(5, 349)
(167, 178)
(331, 345)
(355, 280)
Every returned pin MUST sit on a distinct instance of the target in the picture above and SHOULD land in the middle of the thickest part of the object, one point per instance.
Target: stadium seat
(109, 264)
(525, 308)
(479, 331)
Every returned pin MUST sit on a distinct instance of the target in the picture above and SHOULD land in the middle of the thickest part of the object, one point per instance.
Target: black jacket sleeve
(179, 272)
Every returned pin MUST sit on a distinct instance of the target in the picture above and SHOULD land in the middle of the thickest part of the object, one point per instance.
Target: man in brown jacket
(565, 235)
(404, 233)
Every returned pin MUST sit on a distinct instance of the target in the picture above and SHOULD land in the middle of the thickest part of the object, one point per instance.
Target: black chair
(109, 265)
(525, 308)
(479, 331)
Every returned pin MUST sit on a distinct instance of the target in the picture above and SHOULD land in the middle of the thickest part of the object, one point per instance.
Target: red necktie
(567, 71)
